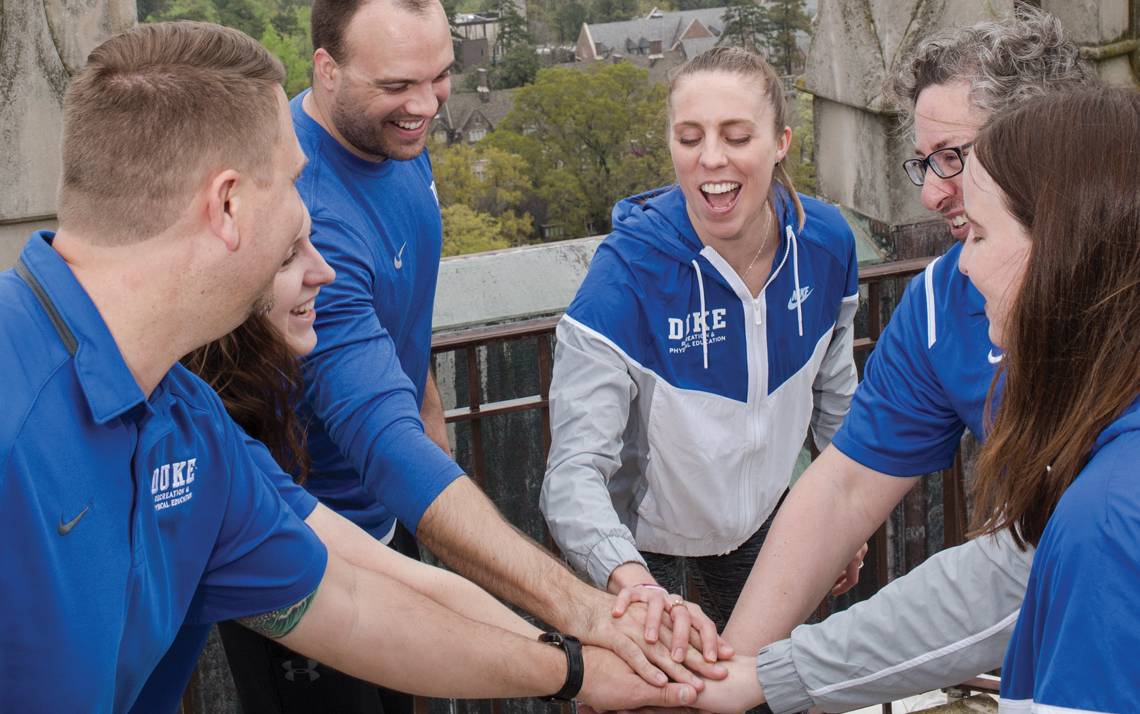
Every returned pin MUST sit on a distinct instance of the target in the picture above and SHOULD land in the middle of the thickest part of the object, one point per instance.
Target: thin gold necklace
(763, 243)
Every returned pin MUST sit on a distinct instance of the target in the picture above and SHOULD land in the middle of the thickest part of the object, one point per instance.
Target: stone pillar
(1104, 30)
(859, 150)
(42, 43)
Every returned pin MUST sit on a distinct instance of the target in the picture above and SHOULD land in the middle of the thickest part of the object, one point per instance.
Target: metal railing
(881, 286)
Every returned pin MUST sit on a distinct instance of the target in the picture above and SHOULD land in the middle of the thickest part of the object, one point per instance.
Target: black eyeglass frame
(925, 163)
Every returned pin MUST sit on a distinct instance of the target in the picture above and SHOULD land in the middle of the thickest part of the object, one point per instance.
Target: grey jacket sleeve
(947, 620)
(836, 380)
(590, 395)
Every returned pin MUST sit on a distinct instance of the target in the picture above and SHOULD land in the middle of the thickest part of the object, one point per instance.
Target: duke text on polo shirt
(124, 515)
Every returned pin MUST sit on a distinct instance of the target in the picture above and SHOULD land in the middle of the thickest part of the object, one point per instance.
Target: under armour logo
(309, 670)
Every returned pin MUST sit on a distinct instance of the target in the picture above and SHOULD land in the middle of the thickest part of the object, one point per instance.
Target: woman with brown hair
(711, 333)
(1054, 247)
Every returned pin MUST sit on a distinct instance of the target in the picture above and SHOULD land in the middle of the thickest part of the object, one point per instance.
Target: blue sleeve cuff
(412, 476)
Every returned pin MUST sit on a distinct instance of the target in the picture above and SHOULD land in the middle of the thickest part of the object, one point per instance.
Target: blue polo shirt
(378, 225)
(1074, 647)
(927, 379)
(163, 689)
(124, 515)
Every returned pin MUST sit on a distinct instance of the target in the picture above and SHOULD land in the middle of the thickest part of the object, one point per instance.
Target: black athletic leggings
(718, 579)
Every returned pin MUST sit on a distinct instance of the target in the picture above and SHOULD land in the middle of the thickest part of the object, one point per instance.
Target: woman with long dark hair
(1054, 247)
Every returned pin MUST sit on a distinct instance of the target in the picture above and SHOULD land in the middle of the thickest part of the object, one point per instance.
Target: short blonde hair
(155, 109)
(737, 60)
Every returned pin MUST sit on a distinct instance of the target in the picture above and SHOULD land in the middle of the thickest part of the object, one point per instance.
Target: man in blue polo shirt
(380, 74)
(926, 381)
(130, 500)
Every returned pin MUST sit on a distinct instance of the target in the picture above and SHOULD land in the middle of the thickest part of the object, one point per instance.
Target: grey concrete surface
(42, 43)
(13, 235)
(1091, 22)
(512, 284)
(856, 47)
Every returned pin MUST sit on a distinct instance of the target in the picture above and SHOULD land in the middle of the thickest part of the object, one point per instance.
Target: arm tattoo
(278, 623)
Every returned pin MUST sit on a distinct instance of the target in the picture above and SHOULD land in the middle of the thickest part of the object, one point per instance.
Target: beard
(367, 135)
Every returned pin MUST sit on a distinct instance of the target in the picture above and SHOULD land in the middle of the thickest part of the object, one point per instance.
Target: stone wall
(42, 43)
(859, 149)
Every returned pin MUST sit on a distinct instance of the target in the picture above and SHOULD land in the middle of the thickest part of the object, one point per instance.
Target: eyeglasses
(945, 163)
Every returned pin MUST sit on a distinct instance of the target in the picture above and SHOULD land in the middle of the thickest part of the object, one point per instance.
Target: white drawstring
(796, 275)
(703, 321)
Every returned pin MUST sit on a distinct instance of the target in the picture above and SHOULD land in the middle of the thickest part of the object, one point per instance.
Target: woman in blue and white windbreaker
(713, 328)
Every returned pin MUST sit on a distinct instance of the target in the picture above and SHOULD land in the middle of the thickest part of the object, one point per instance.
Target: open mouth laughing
(721, 195)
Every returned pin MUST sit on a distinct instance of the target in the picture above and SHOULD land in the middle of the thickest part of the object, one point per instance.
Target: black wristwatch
(575, 668)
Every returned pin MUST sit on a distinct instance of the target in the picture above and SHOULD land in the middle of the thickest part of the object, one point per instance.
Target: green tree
(789, 17)
(568, 19)
(491, 182)
(282, 26)
(612, 10)
(249, 16)
(201, 10)
(589, 137)
(293, 51)
(512, 28)
(800, 161)
(148, 8)
(747, 24)
(518, 67)
(486, 178)
(465, 230)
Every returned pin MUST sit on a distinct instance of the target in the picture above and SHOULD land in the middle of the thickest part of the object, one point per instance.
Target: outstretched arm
(409, 640)
(947, 620)
(467, 532)
(453, 592)
(591, 393)
(835, 506)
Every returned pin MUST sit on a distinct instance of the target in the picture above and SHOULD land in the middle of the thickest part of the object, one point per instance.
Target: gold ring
(675, 603)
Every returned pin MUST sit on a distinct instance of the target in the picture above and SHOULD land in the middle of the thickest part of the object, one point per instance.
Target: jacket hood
(656, 223)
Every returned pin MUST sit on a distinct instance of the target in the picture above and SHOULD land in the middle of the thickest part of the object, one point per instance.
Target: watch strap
(575, 667)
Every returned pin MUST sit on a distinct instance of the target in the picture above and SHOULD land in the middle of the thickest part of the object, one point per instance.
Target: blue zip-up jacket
(679, 402)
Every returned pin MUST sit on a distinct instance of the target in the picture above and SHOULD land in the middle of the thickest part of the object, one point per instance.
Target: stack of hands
(675, 658)
(674, 655)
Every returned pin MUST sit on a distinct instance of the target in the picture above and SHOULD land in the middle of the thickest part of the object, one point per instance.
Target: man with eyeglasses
(927, 381)
(945, 163)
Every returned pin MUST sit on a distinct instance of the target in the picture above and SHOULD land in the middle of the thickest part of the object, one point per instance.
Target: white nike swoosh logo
(398, 259)
(798, 299)
(994, 359)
